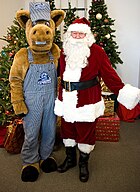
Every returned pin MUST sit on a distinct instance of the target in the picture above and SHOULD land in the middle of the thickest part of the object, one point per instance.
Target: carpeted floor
(114, 167)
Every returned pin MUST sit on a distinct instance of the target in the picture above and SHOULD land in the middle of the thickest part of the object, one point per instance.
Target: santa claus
(82, 64)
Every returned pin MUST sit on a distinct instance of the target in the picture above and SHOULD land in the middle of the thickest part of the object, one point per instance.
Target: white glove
(129, 96)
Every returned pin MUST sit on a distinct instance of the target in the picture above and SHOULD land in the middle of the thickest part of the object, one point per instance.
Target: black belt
(71, 86)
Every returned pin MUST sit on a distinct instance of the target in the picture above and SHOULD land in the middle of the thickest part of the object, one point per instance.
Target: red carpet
(2, 135)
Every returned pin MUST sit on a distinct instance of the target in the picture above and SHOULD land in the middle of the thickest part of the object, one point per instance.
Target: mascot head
(40, 24)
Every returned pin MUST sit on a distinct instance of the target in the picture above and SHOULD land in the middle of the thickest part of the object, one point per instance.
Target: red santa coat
(89, 104)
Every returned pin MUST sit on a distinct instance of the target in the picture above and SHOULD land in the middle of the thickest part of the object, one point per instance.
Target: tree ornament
(106, 21)
(10, 54)
(90, 11)
(107, 36)
(101, 44)
(7, 112)
(99, 16)
(9, 37)
(3, 53)
(95, 34)
(15, 42)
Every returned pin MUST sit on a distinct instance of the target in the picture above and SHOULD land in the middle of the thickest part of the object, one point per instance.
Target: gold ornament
(107, 36)
(99, 16)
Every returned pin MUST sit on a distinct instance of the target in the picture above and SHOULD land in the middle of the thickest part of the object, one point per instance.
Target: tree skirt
(3, 130)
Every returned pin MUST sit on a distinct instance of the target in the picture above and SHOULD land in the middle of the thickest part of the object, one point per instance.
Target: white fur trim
(69, 142)
(72, 75)
(129, 96)
(85, 148)
(87, 113)
(79, 27)
(69, 105)
(58, 109)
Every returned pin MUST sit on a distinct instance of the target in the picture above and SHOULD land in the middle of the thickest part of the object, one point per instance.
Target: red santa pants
(81, 132)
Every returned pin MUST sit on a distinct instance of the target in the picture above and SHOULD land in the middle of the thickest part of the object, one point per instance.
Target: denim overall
(40, 87)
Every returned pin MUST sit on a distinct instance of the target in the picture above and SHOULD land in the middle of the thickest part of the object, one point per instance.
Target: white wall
(8, 10)
(126, 14)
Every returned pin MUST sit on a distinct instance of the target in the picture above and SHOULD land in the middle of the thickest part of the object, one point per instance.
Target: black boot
(83, 167)
(70, 160)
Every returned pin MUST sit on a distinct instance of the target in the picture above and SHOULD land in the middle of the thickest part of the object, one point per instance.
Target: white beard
(77, 51)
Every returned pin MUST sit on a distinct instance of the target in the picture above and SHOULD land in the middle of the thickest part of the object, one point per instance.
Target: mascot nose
(41, 31)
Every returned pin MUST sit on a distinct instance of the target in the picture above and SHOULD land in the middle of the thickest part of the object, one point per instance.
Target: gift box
(108, 129)
(109, 103)
(109, 107)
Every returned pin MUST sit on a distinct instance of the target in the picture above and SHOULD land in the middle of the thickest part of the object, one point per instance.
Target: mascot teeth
(40, 42)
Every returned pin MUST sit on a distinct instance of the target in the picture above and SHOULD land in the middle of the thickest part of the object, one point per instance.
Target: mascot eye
(47, 23)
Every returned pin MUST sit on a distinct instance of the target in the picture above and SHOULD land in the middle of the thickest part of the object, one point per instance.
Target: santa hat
(80, 25)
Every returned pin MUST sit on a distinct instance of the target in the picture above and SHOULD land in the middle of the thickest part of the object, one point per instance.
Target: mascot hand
(21, 115)
(20, 108)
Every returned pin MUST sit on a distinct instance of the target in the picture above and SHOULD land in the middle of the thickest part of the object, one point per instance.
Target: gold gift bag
(109, 106)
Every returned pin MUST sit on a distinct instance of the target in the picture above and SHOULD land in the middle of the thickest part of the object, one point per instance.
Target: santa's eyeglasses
(78, 35)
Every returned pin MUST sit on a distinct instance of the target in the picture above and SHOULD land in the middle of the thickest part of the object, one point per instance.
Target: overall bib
(40, 88)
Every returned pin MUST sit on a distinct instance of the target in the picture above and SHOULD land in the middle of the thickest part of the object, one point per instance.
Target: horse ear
(22, 17)
(57, 16)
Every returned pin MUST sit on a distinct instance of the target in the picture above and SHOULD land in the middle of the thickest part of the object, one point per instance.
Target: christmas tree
(57, 38)
(101, 25)
(52, 4)
(15, 39)
(70, 16)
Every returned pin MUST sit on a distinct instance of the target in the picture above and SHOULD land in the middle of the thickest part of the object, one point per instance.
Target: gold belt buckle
(65, 86)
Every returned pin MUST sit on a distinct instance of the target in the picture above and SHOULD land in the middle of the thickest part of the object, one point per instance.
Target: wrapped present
(104, 88)
(108, 128)
(109, 106)
(109, 103)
